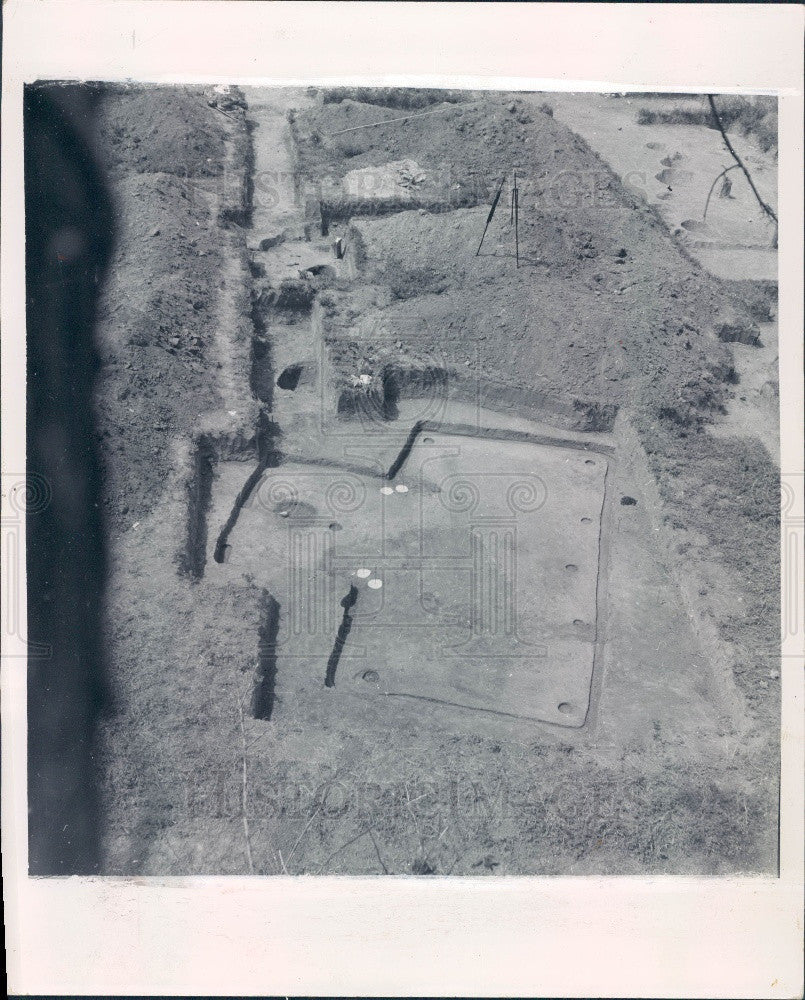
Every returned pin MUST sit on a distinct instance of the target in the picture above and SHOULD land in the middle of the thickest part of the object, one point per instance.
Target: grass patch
(728, 490)
(756, 118)
(394, 97)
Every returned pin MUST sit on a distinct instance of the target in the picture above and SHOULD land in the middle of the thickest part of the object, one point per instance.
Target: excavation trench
(222, 543)
(405, 451)
(262, 374)
(380, 400)
(265, 679)
(334, 210)
(278, 304)
(347, 603)
(199, 488)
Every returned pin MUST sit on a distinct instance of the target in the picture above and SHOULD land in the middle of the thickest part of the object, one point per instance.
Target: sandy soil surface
(674, 167)
(733, 241)
(608, 336)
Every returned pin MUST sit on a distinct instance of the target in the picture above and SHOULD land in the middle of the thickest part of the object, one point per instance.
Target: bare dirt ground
(676, 167)
(248, 369)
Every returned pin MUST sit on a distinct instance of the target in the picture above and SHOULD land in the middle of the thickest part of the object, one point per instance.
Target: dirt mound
(639, 327)
(470, 146)
(636, 329)
(159, 308)
(156, 319)
(161, 130)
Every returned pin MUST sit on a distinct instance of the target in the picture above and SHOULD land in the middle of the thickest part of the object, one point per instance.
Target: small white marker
(386, 490)
(375, 584)
(401, 488)
(363, 573)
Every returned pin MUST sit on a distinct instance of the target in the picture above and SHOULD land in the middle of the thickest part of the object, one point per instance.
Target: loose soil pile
(157, 314)
(639, 319)
(627, 330)
(391, 97)
(503, 135)
(152, 130)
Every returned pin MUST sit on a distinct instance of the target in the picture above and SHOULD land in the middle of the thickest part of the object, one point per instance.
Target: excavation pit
(467, 598)
(289, 377)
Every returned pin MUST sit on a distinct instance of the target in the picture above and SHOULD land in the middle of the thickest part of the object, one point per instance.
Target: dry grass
(757, 118)
(728, 491)
(394, 97)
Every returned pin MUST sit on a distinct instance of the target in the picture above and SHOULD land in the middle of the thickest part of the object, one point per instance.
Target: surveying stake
(516, 205)
(515, 216)
(491, 213)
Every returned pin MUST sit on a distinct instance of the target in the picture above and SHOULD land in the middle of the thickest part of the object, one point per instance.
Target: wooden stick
(224, 113)
(491, 213)
(726, 170)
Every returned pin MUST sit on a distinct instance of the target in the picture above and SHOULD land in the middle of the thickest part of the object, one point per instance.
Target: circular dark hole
(427, 440)
(289, 378)
(370, 675)
(565, 707)
(572, 567)
(577, 621)
(586, 520)
(334, 526)
(628, 501)
(589, 461)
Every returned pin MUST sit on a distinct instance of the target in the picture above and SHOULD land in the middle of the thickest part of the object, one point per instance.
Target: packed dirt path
(274, 198)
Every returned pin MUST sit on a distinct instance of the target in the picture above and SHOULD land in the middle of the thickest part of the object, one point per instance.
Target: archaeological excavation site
(440, 437)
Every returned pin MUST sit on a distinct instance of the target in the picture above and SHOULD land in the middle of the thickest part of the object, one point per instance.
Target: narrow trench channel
(405, 451)
(222, 542)
(263, 694)
(347, 603)
(262, 372)
(198, 505)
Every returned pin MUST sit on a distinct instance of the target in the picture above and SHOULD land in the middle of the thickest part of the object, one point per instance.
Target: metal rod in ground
(491, 213)
(516, 221)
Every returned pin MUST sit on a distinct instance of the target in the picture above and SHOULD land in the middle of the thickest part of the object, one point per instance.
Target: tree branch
(728, 144)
